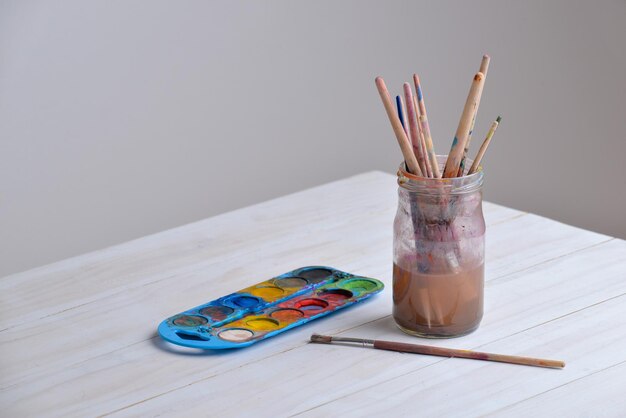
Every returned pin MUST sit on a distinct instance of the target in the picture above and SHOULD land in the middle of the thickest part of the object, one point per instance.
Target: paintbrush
(460, 138)
(484, 67)
(413, 129)
(440, 351)
(401, 113)
(398, 130)
(430, 150)
(429, 170)
(483, 147)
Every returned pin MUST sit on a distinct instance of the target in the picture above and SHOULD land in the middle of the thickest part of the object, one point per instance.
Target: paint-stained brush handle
(428, 140)
(483, 147)
(403, 140)
(462, 131)
(484, 67)
(476, 355)
(439, 351)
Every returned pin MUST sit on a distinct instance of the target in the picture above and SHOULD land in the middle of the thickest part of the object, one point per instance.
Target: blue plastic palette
(268, 308)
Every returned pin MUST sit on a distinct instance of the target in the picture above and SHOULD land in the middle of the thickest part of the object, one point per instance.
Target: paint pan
(216, 313)
(315, 274)
(187, 321)
(291, 282)
(267, 308)
(287, 314)
(236, 335)
(359, 285)
(336, 295)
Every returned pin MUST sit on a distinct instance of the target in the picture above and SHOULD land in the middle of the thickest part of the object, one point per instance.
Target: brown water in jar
(438, 305)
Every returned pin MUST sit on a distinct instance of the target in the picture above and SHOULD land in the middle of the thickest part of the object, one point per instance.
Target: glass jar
(438, 255)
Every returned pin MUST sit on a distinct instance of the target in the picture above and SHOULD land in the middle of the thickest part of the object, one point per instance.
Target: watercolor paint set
(268, 308)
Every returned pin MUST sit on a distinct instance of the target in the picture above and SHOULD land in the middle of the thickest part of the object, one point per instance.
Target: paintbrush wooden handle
(428, 141)
(484, 67)
(429, 170)
(483, 147)
(411, 114)
(476, 355)
(460, 138)
(403, 140)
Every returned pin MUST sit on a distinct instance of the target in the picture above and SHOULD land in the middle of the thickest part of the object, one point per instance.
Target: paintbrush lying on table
(439, 351)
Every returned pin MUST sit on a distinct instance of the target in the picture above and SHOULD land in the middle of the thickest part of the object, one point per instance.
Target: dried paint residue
(359, 285)
(268, 293)
(335, 296)
(287, 314)
(311, 306)
(189, 321)
(286, 282)
(216, 312)
(262, 324)
(246, 301)
(236, 335)
(315, 275)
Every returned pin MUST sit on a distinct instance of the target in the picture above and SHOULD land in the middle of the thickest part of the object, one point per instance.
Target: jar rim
(455, 185)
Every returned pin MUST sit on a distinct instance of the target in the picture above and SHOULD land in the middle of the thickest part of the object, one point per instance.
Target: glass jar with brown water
(438, 255)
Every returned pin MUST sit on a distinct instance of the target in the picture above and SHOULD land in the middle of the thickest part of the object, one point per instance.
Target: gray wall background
(123, 118)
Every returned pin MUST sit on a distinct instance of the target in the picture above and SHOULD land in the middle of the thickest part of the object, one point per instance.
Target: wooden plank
(182, 251)
(148, 304)
(82, 279)
(84, 325)
(53, 335)
(600, 394)
(550, 239)
(589, 340)
(62, 391)
(542, 312)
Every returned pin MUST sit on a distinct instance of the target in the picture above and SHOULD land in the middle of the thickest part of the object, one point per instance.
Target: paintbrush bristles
(325, 339)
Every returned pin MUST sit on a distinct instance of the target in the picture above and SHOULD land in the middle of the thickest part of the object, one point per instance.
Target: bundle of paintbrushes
(410, 125)
(435, 181)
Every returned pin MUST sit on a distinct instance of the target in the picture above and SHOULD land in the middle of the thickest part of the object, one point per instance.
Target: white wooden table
(77, 338)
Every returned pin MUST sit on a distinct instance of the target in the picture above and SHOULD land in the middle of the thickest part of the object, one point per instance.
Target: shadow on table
(163, 345)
